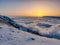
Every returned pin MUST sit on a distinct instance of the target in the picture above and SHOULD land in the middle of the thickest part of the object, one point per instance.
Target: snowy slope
(46, 27)
(42, 26)
(12, 36)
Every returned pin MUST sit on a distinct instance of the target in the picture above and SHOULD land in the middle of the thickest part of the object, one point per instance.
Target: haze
(30, 7)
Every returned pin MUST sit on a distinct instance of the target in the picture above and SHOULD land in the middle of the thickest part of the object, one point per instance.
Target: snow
(12, 36)
(42, 26)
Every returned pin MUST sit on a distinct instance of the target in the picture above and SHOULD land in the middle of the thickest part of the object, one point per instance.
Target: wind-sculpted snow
(14, 24)
(12, 36)
(38, 27)
(46, 29)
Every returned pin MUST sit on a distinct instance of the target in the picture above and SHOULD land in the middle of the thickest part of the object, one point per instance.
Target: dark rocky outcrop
(14, 24)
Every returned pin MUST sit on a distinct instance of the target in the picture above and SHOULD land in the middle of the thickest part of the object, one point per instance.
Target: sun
(41, 12)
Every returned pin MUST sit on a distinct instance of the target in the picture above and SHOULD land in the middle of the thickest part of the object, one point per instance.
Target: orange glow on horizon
(33, 12)
(30, 8)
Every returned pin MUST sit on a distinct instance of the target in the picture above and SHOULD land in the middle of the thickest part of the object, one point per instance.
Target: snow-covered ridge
(12, 36)
(40, 28)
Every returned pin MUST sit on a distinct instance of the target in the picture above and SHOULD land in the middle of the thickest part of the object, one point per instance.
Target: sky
(30, 7)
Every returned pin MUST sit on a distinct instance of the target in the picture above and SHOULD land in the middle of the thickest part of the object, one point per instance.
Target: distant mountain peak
(57, 17)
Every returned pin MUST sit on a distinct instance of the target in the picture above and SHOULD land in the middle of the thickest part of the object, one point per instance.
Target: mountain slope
(45, 30)
(12, 36)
